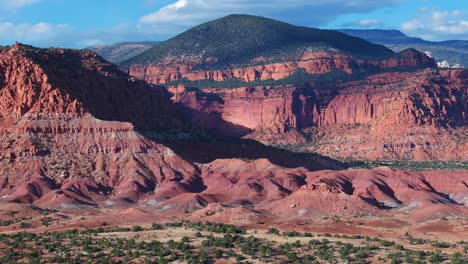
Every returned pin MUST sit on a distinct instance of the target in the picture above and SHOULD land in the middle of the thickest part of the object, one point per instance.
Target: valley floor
(29, 235)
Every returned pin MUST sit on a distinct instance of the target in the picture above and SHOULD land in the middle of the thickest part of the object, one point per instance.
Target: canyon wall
(71, 131)
(418, 115)
(78, 134)
(404, 109)
(312, 63)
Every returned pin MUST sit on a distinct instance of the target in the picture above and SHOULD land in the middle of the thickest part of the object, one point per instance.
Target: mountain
(318, 91)
(238, 39)
(251, 48)
(454, 52)
(71, 129)
(76, 132)
(81, 137)
(122, 51)
(415, 115)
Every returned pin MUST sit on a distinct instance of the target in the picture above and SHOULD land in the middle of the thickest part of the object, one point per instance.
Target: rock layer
(74, 136)
(418, 115)
(71, 129)
(312, 63)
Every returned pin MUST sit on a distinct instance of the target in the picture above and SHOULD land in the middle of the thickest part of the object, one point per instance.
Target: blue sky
(80, 23)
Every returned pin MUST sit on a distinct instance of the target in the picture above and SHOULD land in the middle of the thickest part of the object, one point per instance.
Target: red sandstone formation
(261, 189)
(418, 115)
(404, 109)
(69, 130)
(312, 63)
(73, 137)
(413, 111)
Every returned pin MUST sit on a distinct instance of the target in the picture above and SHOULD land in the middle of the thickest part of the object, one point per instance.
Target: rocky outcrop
(71, 125)
(416, 115)
(369, 191)
(68, 84)
(77, 134)
(270, 190)
(312, 63)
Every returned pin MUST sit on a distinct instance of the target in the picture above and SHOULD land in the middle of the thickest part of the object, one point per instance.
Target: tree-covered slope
(239, 39)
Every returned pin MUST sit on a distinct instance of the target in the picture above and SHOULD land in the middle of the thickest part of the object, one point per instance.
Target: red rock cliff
(393, 115)
(69, 120)
(312, 63)
(72, 137)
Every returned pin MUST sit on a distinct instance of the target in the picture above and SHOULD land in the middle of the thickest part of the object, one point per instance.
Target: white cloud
(8, 4)
(369, 22)
(412, 25)
(365, 23)
(91, 42)
(436, 24)
(185, 13)
(63, 35)
(30, 32)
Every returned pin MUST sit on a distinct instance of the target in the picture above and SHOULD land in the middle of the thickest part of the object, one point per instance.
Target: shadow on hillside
(210, 121)
(238, 148)
(117, 97)
(224, 140)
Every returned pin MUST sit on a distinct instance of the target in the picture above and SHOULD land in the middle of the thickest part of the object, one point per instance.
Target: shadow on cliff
(238, 148)
(224, 140)
(111, 95)
(205, 119)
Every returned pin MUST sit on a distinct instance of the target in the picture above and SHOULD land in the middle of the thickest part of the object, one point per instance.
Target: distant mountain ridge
(452, 51)
(383, 36)
(122, 51)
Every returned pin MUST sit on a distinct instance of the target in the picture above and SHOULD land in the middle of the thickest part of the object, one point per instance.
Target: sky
(82, 23)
